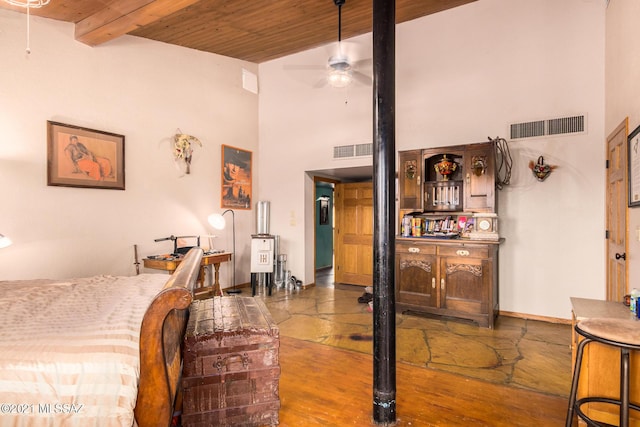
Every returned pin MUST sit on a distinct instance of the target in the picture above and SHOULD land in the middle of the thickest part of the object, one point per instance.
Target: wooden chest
(231, 365)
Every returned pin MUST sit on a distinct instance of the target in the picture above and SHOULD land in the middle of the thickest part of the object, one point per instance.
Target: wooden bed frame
(161, 336)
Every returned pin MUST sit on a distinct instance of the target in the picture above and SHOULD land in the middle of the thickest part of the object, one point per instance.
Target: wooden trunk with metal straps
(231, 364)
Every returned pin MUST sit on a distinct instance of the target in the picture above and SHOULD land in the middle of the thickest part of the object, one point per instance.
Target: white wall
(463, 75)
(144, 90)
(622, 89)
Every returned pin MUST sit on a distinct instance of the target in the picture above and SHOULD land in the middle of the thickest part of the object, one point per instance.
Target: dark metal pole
(384, 320)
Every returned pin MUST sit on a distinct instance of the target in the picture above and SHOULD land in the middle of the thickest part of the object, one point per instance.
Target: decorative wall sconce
(540, 170)
(182, 148)
(410, 169)
(478, 165)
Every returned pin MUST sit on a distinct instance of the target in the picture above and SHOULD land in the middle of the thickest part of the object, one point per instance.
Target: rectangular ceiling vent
(548, 127)
(353, 150)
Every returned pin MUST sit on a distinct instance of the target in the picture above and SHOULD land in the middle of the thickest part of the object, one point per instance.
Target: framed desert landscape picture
(236, 178)
(82, 157)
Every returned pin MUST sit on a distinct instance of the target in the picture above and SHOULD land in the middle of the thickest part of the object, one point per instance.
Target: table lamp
(4, 241)
(218, 222)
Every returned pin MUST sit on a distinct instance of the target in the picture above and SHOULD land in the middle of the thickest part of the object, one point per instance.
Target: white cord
(28, 4)
(28, 30)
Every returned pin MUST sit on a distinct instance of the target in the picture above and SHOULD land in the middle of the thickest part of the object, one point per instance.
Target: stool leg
(624, 387)
(574, 382)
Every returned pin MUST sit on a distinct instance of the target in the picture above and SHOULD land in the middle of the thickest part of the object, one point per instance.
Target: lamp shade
(4, 241)
(217, 221)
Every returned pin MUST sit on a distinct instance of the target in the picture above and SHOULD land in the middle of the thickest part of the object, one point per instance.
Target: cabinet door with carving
(416, 278)
(410, 179)
(465, 284)
(480, 178)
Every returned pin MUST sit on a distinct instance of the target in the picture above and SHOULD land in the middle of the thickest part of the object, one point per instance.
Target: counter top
(585, 308)
(458, 241)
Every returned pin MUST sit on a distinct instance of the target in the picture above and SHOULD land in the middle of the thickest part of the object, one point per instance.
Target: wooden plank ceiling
(252, 30)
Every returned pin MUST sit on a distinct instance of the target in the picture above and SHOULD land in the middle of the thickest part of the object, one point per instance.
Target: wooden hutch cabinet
(439, 269)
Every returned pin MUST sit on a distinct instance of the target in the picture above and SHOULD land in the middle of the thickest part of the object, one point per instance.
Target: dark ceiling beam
(123, 16)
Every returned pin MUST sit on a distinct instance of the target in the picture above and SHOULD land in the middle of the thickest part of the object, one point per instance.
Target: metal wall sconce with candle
(218, 222)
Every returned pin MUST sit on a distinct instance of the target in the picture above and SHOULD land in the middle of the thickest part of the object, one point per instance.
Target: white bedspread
(69, 351)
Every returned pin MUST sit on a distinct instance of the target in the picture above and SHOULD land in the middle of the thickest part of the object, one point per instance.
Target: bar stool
(619, 333)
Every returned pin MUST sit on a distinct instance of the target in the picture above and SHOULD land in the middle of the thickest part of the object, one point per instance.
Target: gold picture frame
(236, 178)
(82, 157)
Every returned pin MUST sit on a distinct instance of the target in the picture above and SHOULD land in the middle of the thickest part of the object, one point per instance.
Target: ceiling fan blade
(361, 78)
(365, 62)
(304, 67)
(320, 83)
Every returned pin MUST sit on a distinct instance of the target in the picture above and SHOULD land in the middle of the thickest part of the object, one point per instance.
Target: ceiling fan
(340, 70)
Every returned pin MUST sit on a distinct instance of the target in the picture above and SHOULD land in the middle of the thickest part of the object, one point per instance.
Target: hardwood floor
(322, 385)
(448, 373)
(529, 354)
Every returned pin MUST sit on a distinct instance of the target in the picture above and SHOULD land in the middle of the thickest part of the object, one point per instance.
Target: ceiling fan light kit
(339, 69)
(28, 4)
(339, 78)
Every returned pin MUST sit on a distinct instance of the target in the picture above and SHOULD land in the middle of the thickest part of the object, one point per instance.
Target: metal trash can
(281, 268)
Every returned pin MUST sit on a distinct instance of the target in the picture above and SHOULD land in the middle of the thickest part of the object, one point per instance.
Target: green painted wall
(324, 232)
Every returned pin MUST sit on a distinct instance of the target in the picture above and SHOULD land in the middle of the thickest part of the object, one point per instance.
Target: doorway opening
(324, 248)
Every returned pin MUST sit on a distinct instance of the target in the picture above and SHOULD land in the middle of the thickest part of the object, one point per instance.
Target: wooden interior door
(616, 212)
(353, 238)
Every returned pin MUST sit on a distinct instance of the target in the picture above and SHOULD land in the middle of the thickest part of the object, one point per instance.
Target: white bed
(70, 350)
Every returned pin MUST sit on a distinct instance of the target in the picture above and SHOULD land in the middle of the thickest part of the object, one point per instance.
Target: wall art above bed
(82, 157)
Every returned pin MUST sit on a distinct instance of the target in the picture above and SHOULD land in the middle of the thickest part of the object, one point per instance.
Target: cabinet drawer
(418, 248)
(464, 251)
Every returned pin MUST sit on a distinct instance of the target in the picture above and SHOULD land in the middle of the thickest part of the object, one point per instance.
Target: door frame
(622, 127)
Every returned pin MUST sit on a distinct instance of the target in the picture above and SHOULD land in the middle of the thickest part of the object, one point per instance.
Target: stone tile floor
(523, 353)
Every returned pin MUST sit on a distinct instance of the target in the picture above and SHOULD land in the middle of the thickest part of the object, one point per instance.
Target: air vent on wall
(353, 150)
(558, 126)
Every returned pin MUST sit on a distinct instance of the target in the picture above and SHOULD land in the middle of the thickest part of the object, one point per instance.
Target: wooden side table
(170, 265)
